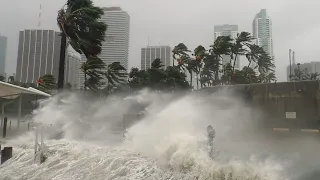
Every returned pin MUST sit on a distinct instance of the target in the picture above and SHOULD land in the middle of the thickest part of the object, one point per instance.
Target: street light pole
(290, 65)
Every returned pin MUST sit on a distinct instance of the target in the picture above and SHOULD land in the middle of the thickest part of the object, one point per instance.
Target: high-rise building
(72, 69)
(115, 48)
(3, 52)
(227, 30)
(262, 31)
(150, 53)
(38, 54)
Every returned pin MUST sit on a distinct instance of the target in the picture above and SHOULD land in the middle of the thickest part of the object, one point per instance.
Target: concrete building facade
(3, 53)
(150, 53)
(115, 48)
(72, 69)
(38, 54)
(262, 31)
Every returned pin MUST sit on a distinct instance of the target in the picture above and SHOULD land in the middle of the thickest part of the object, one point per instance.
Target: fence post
(6, 154)
(5, 127)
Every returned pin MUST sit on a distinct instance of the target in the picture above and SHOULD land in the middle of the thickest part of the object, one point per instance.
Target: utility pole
(290, 65)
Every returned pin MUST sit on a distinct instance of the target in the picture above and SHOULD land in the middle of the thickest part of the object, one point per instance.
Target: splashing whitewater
(167, 144)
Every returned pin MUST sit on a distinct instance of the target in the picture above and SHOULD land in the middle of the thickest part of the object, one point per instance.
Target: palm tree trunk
(85, 81)
(62, 61)
(197, 80)
(191, 79)
(234, 63)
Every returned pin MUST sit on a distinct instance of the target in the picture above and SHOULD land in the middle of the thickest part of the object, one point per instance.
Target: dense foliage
(206, 67)
(79, 21)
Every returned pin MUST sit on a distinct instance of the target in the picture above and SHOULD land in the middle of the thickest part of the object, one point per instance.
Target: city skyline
(175, 26)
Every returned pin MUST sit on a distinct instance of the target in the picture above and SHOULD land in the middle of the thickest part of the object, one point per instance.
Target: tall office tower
(150, 53)
(262, 32)
(72, 69)
(227, 30)
(38, 54)
(3, 52)
(115, 48)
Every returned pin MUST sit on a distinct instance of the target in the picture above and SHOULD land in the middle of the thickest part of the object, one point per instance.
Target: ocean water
(84, 137)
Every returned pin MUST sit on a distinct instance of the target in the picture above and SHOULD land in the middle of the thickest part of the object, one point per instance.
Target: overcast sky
(296, 24)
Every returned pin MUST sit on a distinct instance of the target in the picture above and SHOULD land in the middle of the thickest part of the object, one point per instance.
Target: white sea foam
(168, 143)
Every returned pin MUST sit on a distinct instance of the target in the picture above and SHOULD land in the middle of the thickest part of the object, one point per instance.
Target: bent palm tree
(157, 64)
(93, 68)
(239, 47)
(180, 50)
(79, 23)
(115, 74)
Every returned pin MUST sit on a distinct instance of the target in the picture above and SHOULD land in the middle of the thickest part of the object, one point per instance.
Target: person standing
(211, 135)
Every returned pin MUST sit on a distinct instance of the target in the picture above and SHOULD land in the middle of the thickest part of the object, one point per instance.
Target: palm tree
(265, 63)
(271, 77)
(312, 76)
(221, 46)
(115, 74)
(79, 23)
(200, 53)
(157, 64)
(254, 53)
(93, 68)
(239, 47)
(46, 82)
(180, 50)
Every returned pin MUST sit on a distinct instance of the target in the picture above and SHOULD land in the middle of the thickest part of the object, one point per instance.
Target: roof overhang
(10, 91)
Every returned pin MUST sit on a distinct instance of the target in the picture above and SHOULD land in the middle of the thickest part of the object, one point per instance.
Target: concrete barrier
(295, 130)
(6, 154)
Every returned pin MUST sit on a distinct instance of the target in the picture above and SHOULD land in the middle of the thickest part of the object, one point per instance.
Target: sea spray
(167, 143)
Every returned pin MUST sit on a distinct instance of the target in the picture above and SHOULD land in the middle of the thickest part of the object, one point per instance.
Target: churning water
(84, 138)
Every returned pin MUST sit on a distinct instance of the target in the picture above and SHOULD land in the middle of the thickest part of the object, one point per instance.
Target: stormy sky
(296, 24)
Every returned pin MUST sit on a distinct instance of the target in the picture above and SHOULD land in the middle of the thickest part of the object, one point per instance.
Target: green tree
(265, 63)
(11, 79)
(221, 46)
(312, 76)
(267, 77)
(115, 74)
(180, 50)
(138, 79)
(93, 73)
(46, 83)
(196, 65)
(254, 53)
(156, 78)
(239, 47)
(79, 22)
(2, 78)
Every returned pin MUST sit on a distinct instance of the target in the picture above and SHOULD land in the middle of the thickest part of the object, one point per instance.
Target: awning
(10, 91)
